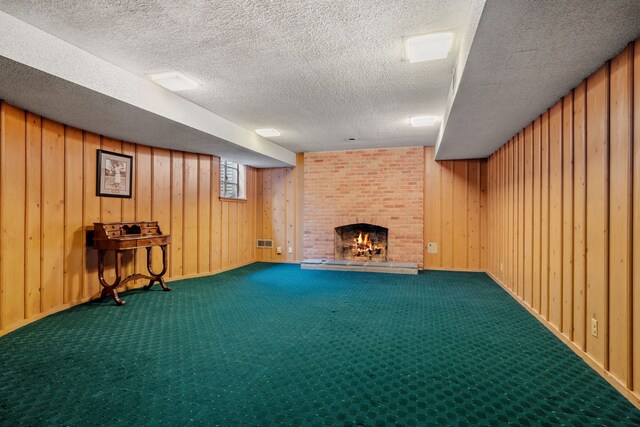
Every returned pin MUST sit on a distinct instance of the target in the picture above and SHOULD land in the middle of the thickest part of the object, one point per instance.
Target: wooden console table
(126, 236)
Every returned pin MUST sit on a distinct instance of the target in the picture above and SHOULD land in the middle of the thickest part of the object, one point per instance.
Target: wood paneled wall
(279, 216)
(454, 216)
(48, 201)
(455, 195)
(564, 214)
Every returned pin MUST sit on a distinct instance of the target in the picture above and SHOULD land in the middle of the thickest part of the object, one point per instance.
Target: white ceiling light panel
(423, 121)
(428, 47)
(174, 81)
(267, 133)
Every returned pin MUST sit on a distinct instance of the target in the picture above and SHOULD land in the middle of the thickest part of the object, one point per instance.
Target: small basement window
(232, 180)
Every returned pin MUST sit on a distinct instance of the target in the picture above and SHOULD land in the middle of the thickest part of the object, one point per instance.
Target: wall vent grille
(265, 244)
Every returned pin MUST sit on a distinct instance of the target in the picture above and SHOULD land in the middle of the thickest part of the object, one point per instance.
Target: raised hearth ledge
(363, 266)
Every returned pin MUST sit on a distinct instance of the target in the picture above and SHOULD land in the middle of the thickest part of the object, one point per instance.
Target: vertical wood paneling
(580, 216)
(520, 220)
(12, 213)
(460, 214)
(129, 214)
(555, 215)
(73, 219)
(190, 214)
(537, 217)
(491, 214)
(514, 213)
(245, 224)
(110, 207)
(496, 226)
(585, 207)
(245, 227)
(278, 211)
(511, 209)
(290, 219)
(432, 222)
(635, 317)
(233, 231)
(144, 193)
(474, 194)
(567, 215)
(620, 216)
(177, 212)
(517, 247)
(224, 255)
(204, 214)
(513, 222)
(259, 210)
(52, 214)
(299, 204)
(528, 215)
(91, 212)
(279, 196)
(503, 213)
(161, 197)
(48, 196)
(216, 216)
(482, 237)
(267, 206)
(635, 324)
(255, 212)
(446, 187)
(544, 248)
(597, 215)
(240, 232)
(33, 214)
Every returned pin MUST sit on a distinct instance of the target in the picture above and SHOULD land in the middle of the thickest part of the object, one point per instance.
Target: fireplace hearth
(361, 242)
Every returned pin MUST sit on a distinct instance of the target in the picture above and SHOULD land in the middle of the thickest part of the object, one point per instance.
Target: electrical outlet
(290, 250)
(594, 328)
(279, 250)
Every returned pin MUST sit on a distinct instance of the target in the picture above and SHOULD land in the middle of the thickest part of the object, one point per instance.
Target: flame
(363, 241)
(362, 244)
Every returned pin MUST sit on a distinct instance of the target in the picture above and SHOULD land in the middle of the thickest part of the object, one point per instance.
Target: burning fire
(363, 246)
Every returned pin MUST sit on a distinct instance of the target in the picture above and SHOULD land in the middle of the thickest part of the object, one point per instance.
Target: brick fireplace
(381, 187)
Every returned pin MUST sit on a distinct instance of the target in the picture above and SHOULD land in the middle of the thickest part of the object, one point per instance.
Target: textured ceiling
(318, 71)
(53, 78)
(525, 56)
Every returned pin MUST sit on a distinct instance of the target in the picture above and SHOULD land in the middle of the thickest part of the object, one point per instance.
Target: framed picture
(114, 176)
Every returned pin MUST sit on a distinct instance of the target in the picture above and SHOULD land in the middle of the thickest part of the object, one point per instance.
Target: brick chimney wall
(380, 186)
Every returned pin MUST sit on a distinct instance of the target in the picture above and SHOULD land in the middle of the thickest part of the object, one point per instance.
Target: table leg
(110, 289)
(157, 277)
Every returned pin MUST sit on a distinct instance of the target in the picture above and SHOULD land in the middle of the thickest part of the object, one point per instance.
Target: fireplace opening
(361, 242)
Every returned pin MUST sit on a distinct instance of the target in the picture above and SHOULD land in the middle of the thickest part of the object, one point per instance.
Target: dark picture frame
(114, 174)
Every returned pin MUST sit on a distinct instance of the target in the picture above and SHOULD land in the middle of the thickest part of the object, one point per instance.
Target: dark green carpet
(273, 344)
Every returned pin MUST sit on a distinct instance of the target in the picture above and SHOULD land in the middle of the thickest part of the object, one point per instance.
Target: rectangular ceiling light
(427, 47)
(174, 81)
(267, 132)
(422, 121)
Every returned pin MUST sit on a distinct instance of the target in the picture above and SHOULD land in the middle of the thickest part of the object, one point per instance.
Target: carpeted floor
(272, 344)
